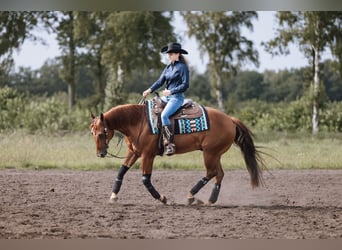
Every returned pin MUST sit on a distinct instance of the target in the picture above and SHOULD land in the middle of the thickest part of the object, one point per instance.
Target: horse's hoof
(208, 204)
(113, 198)
(163, 199)
(194, 201)
(198, 202)
(113, 201)
(190, 201)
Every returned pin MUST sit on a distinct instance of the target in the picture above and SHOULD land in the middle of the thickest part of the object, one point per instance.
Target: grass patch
(77, 151)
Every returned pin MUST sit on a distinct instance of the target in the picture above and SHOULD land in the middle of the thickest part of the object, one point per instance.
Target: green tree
(15, 28)
(43, 82)
(336, 38)
(332, 81)
(133, 42)
(90, 31)
(284, 85)
(200, 87)
(219, 35)
(248, 85)
(68, 43)
(312, 32)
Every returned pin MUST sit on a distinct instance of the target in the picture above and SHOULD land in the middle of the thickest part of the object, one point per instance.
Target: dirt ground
(47, 204)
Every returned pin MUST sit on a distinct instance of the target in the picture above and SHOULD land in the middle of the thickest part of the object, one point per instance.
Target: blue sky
(34, 55)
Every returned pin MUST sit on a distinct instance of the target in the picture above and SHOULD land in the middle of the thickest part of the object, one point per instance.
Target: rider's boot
(169, 146)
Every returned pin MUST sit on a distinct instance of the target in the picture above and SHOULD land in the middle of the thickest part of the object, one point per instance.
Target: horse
(131, 120)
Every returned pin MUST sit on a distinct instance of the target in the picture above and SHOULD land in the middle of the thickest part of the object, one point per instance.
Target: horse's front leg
(147, 165)
(130, 160)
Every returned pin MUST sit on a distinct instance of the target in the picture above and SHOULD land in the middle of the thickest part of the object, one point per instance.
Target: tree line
(270, 86)
(107, 56)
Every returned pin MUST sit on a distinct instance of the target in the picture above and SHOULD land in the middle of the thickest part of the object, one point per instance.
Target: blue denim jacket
(176, 77)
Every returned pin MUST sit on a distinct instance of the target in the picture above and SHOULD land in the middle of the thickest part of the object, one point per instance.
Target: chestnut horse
(131, 120)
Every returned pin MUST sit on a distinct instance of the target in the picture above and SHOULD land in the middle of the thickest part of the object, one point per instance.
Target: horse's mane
(121, 116)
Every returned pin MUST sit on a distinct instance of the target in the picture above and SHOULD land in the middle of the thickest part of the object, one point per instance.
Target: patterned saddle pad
(181, 125)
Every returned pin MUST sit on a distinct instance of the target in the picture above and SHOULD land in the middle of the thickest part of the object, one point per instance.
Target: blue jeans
(174, 102)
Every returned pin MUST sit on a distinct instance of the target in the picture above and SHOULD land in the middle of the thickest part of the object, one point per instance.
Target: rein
(110, 155)
(142, 100)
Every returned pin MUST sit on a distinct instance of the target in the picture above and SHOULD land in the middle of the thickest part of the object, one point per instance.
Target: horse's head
(102, 135)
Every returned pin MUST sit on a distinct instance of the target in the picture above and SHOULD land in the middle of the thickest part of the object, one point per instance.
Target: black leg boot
(169, 146)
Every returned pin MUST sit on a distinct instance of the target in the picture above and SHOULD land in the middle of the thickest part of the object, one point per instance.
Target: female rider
(176, 77)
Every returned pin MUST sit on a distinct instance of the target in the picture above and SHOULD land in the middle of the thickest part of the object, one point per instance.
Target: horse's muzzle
(102, 154)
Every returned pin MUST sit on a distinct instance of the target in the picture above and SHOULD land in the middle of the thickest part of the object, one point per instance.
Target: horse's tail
(253, 160)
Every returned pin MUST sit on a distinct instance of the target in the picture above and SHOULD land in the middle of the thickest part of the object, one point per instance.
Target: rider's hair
(183, 60)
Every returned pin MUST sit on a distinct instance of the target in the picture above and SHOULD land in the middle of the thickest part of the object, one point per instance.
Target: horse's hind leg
(199, 185)
(214, 169)
(217, 186)
(212, 164)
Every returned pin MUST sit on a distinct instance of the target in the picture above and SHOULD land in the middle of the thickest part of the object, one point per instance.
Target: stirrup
(170, 149)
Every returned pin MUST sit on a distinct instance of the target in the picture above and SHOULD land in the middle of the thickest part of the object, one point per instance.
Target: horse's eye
(102, 136)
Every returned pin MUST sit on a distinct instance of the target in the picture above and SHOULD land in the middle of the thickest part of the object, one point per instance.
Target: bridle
(120, 141)
(105, 135)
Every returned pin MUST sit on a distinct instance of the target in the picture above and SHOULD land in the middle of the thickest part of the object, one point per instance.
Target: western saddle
(189, 109)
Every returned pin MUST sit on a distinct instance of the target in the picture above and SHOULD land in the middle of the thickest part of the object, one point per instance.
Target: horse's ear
(102, 117)
(92, 116)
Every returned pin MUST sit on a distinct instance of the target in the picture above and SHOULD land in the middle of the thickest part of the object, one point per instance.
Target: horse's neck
(124, 117)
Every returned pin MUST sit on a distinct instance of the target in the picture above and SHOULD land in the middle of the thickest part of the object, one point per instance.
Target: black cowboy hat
(173, 47)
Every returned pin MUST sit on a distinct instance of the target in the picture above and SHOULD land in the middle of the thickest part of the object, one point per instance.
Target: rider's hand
(166, 92)
(146, 92)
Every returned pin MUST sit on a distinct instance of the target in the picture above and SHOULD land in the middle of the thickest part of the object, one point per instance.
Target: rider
(176, 77)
